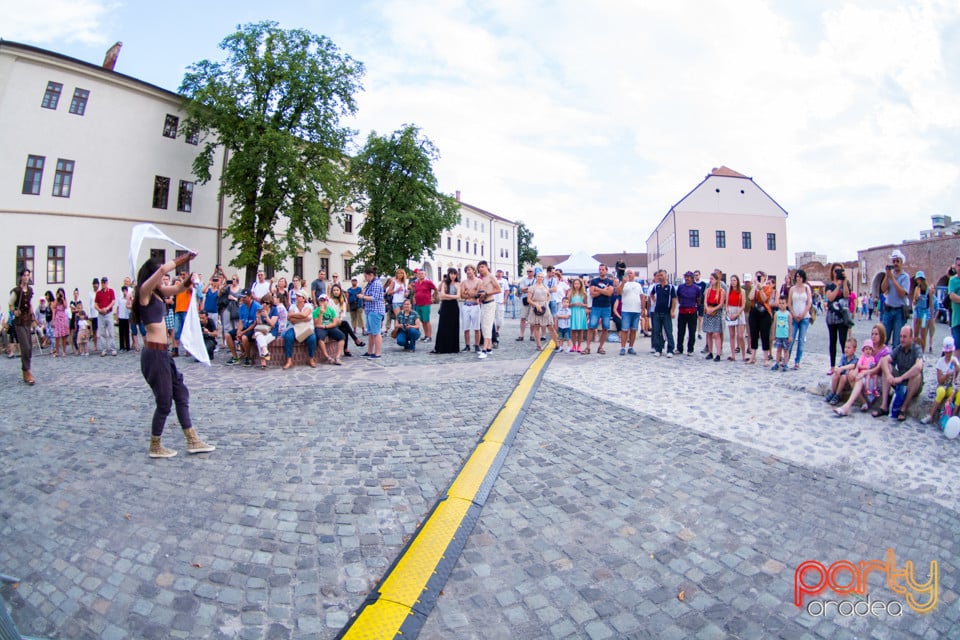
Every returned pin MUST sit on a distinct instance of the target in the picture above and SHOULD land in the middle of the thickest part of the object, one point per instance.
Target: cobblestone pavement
(632, 479)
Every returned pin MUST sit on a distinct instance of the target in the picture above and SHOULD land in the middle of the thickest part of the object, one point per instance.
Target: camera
(841, 275)
(889, 267)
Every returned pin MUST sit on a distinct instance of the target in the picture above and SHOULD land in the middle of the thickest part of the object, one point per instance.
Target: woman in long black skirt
(448, 328)
(156, 364)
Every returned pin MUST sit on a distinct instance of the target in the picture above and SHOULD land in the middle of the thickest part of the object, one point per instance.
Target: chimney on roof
(110, 59)
(458, 195)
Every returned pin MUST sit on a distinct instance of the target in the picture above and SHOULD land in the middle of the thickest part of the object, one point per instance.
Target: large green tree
(526, 252)
(275, 106)
(393, 185)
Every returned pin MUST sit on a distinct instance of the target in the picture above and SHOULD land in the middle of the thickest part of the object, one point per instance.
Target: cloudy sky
(589, 120)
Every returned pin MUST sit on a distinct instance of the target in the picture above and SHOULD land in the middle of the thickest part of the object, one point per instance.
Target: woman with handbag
(837, 294)
(735, 319)
(539, 297)
(448, 326)
(760, 319)
(300, 329)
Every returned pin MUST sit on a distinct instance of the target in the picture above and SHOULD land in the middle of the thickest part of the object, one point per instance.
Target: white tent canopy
(579, 262)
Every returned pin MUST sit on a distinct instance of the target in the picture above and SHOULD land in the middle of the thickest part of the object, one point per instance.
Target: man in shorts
(470, 311)
(373, 310)
(631, 301)
(489, 288)
(601, 289)
(422, 299)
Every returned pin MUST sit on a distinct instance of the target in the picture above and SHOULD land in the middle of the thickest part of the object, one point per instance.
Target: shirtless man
(489, 287)
(470, 311)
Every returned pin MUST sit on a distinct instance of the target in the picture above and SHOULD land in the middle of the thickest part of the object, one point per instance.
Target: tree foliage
(392, 183)
(526, 252)
(275, 105)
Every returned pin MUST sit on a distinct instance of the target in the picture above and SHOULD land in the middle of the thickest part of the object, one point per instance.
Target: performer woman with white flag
(155, 362)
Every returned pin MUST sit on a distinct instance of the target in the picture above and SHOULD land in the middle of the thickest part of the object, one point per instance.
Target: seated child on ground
(947, 368)
(839, 380)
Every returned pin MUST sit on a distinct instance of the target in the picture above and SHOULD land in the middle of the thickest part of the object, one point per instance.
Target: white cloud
(51, 21)
(588, 121)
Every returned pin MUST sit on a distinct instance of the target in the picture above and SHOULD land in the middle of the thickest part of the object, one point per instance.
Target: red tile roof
(726, 171)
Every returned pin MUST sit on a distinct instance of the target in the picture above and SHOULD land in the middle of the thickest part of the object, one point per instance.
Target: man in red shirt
(106, 301)
(422, 299)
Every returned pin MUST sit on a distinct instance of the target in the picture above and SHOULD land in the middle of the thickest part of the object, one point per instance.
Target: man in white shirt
(631, 304)
(261, 287)
(92, 306)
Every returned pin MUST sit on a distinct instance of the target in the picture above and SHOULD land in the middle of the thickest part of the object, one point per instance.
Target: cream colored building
(87, 153)
(727, 222)
(480, 235)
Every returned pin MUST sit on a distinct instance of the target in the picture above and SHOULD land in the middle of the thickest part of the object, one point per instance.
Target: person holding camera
(896, 286)
(837, 292)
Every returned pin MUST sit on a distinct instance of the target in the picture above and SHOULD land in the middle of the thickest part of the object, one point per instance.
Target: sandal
(585, 352)
(600, 350)
(901, 416)
(877, 413)
(840, 413)
(864, 407)
(360, 343)
(731, 359)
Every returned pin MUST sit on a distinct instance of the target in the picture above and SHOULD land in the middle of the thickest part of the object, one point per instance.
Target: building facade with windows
(87, 154)
(480, 235)
(726, 222)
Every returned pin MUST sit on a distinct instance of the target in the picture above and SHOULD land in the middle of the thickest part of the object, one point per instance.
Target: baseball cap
(920, 275)
(896, 253)
(322, 296)
(245, 292)
(948, 344)
(302, 293)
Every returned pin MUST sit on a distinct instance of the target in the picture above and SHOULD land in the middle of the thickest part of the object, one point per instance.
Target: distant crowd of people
(760, 320)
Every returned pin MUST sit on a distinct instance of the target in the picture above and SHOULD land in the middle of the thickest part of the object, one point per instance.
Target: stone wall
(933, 256)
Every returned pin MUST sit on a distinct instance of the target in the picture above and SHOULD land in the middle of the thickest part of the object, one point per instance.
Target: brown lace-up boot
(157, 450)
(195, 444)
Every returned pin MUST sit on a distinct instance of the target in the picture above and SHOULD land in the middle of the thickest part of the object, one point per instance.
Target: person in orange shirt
(181, 305)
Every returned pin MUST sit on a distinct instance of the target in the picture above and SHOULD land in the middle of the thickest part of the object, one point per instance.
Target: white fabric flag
(191, 339)
(142, 232)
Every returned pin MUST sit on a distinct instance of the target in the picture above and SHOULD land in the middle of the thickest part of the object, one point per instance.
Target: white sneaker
(482, 355)
(113, 352)
(657, 354)
(669, 354)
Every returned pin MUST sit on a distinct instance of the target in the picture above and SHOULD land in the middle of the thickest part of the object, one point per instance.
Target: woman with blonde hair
(396, 289)
(735, 318)
(713, 302)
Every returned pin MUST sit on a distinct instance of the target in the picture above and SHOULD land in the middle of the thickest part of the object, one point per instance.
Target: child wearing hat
(867, 362)
(947, 369)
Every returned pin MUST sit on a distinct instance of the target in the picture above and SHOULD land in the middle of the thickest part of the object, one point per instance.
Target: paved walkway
(632, 479)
